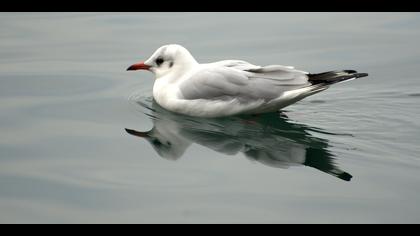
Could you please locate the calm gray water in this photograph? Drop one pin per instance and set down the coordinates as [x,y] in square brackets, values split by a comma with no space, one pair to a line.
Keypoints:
[347,155]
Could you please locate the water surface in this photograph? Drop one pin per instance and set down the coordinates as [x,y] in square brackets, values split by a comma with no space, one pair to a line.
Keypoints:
[83,141]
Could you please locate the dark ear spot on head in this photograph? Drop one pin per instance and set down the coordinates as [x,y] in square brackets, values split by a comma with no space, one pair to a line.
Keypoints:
[171,64]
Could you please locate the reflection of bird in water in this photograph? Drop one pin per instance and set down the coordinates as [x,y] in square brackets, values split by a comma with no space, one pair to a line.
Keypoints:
[270,138]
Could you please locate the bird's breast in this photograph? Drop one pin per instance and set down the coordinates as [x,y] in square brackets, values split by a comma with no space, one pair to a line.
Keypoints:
[165,94]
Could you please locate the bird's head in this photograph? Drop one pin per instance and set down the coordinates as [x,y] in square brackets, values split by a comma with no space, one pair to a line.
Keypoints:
[167,59]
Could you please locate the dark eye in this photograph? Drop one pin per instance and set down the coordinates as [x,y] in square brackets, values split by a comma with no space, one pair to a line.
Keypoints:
[159,61]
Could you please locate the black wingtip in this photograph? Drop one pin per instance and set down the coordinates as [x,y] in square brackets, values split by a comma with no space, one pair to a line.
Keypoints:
[350,71]
[356,74]
[359,75]
[332,77]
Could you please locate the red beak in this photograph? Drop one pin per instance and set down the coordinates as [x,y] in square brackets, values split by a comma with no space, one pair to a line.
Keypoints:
[139,66]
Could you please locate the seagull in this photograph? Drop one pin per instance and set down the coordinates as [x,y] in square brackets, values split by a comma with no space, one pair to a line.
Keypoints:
[230,87]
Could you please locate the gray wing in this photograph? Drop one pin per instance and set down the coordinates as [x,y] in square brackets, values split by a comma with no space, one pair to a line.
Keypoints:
[286,74]
[230,79]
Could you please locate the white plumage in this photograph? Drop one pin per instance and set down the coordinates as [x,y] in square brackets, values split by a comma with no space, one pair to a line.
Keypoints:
[227,87]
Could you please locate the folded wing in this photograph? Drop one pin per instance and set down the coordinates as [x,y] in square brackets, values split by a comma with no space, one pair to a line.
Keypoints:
[230,79]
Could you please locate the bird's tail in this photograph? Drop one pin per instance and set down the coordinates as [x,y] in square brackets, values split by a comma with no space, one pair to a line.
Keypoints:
[332,77]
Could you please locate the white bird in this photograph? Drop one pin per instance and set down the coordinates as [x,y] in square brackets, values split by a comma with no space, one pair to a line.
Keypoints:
[229,87]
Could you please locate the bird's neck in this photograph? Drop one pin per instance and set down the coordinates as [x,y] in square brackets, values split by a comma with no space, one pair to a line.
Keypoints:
[186,62]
